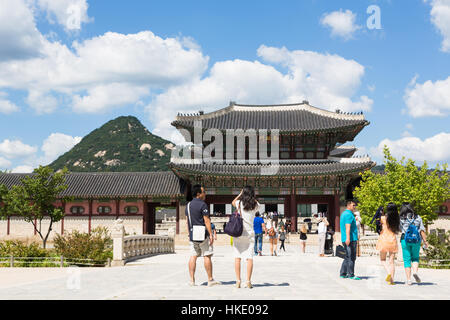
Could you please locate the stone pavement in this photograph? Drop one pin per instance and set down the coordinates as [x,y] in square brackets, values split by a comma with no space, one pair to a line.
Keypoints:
[289,275]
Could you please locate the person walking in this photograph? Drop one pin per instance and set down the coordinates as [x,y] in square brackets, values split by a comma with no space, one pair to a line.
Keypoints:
[282,238]
[197,213]
[303,237]
[322,233]
[349,236]
[243,246]
[272,232]
[413,232]
[258,227]
[387,241]
[214,231]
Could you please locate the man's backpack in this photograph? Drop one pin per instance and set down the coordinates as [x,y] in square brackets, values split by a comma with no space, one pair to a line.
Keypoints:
[412,234]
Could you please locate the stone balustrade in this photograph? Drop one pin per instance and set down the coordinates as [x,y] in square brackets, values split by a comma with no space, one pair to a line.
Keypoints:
[126,248]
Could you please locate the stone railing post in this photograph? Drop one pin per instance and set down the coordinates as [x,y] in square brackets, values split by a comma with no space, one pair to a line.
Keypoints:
[118,234]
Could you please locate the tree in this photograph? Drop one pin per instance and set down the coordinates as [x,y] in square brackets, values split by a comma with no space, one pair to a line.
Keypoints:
[35,198]
[403,182]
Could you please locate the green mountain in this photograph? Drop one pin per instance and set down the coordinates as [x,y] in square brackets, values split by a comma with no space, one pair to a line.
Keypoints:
[122,144]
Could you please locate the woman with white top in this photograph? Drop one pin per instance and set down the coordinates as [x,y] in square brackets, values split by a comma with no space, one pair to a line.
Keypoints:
[322,231]
[243,246]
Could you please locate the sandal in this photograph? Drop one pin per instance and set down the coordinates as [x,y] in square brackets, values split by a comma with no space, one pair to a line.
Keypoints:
[238,283]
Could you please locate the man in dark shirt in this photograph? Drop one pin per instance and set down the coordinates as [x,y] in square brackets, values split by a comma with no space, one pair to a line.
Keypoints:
[199,216]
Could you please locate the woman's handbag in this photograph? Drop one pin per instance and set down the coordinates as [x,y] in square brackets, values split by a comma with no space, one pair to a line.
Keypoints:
[234,226]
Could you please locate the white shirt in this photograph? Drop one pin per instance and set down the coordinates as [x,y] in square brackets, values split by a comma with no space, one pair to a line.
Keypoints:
[321,228]
[247,218]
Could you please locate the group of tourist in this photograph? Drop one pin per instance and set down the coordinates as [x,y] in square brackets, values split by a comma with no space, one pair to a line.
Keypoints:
[254,227]
[407,222]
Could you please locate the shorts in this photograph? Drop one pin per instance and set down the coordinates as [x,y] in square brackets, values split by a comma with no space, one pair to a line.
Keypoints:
[201,249]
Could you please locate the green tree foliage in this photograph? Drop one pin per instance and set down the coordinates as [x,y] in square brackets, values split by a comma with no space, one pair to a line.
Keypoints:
[34,200]
[403,181]
[96,245]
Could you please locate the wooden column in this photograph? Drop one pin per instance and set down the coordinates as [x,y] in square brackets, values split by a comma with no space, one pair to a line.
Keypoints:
[90,215]
[145,218]
[117,208]
[337,214]
[7,228]
[62,220]
[178,217]
[293,212]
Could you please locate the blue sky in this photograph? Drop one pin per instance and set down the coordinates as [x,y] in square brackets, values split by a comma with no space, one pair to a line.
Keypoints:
[76,64]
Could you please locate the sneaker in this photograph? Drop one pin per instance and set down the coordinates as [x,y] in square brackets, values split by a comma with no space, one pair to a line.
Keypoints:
[355,278]
[344,277]
[260,254]
[213,283]
[192,283]
[408,282]
[416,277]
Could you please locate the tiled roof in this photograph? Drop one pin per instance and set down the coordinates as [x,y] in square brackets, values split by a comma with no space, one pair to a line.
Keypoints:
[287,118]
[113,184]
[300,168]
[342,151]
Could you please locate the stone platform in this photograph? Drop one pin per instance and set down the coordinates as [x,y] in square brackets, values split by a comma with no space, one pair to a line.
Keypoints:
[290,275]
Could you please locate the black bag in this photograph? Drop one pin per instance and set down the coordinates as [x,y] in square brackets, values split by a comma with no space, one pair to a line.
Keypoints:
[235,225]
[341,252]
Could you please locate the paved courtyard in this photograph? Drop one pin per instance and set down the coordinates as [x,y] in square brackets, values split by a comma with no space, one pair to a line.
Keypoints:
[290,275]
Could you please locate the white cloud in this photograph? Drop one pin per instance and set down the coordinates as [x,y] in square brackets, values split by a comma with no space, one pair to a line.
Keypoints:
[326,81]
[15,149]
[104,97]
[42,102]
[7,106]
[22,169]
[428,99]
[97,65]
[19,37]
[4,163]
[342,23]
[56,145]
[68,13]
[440,17]
[434,149]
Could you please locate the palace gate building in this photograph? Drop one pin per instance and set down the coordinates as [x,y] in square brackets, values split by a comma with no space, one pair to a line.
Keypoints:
[315,172]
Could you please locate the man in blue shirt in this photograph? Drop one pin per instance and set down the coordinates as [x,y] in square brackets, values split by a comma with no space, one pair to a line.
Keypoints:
[349,237]
[258,226]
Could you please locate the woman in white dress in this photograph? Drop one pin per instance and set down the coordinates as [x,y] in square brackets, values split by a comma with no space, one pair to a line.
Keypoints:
[243,246]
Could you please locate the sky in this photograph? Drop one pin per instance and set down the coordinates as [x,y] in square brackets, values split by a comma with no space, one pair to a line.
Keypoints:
[69,66]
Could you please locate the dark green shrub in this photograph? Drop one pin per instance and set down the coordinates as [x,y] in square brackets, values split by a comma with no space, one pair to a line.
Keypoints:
[438,251]
[25,254]
[76,245]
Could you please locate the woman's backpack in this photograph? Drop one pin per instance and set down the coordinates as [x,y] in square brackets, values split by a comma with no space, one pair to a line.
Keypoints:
[235,225]
[412,234]
[271,232]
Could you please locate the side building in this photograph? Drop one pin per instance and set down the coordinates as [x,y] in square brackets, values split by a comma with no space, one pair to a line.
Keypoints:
[100,198]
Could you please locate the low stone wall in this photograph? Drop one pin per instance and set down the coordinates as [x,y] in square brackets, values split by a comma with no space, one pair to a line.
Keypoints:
[126,248]
[22,230]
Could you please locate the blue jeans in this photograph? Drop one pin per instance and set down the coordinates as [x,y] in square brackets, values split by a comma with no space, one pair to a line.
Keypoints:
[348,265]
[258,242]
